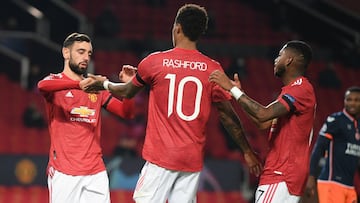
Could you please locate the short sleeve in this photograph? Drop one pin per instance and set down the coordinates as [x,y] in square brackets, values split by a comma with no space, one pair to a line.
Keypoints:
[219,94]
[296,98]
[330,126]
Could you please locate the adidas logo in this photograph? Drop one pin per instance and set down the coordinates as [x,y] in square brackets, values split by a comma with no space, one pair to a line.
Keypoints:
[69,94]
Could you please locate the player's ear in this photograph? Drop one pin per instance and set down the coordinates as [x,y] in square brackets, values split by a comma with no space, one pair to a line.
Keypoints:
[177,28]
[66,53]
[289,60]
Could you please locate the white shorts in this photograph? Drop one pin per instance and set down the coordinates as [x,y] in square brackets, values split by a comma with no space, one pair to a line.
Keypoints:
[79,189]
[157,184]
[275,193]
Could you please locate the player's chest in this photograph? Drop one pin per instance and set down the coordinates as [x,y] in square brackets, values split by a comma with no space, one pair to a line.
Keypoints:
[69,99]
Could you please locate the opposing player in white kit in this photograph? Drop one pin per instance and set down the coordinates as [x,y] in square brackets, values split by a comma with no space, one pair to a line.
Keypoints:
[76,171]
[179,106]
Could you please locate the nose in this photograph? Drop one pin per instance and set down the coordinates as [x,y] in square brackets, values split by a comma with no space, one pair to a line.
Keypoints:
[87,57]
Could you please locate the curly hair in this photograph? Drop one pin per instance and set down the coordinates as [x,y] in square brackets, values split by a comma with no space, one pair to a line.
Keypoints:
[193,20]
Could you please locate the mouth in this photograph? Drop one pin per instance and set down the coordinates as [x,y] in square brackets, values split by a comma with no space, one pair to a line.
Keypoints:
[83,65]
[351,110]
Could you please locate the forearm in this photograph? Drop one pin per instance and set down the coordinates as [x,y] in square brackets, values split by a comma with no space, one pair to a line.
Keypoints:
[317,154]
[256,111]
[124,108]
[233,126]
[120,89]
[260,125]
[57,85]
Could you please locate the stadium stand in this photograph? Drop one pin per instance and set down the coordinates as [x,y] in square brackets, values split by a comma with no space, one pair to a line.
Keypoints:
[235,22]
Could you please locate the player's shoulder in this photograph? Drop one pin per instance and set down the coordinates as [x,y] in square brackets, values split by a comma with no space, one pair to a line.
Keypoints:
[209,59]
[301,82]
[54,76]
[156,53]
[302,85]
[335,117]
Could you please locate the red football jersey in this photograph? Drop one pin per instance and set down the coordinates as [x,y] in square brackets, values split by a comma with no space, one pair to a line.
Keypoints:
[291,138]
[74,126]
[179,106]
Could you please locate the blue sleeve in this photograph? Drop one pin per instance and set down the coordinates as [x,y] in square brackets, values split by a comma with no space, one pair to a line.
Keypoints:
[321,145]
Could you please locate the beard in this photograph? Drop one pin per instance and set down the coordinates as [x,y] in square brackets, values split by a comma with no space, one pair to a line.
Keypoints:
[280,71]
[76,69]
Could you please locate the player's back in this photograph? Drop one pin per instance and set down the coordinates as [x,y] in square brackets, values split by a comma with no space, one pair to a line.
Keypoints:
[179,106]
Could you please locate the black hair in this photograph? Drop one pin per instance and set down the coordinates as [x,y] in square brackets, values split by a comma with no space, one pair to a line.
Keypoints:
[352,89]
[75,37]
[193,20]
[303,49]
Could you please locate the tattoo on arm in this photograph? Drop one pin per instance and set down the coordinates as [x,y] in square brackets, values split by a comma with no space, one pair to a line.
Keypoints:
[233,126]
[260,112]
[250,106]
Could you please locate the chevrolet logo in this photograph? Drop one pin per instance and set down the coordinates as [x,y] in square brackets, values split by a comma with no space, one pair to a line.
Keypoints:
[83,111]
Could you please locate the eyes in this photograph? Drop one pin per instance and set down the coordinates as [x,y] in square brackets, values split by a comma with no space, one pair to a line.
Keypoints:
[83,51]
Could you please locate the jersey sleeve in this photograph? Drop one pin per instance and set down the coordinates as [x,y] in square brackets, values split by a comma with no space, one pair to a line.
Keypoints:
[219,94]
[144,72]
[125,108]
[55,82]
[295,98]
[330,127]
[318,152]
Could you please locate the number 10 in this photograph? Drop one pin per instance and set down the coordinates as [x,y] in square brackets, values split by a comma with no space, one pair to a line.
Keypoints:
[180,93]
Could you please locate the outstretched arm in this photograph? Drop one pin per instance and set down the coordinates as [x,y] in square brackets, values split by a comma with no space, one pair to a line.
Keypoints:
[232,124]
[125,90]
[258,112]
[52,83]
[97,83]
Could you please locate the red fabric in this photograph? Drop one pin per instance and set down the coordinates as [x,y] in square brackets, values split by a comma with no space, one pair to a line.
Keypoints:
[179,106]
[290,138]
[74,125]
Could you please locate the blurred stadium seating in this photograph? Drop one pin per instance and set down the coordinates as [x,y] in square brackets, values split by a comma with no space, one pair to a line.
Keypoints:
[235,22]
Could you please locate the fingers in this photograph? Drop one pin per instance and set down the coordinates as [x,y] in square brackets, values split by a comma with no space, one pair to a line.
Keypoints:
[90,75]
[129,67]
[236,77]
[215,76]
[256,170]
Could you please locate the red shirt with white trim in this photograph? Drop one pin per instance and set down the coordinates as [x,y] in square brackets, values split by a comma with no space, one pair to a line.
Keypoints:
[179,106]
[75,123]
[291,138]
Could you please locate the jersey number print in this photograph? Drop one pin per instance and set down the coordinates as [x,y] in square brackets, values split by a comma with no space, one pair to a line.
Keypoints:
[180,93]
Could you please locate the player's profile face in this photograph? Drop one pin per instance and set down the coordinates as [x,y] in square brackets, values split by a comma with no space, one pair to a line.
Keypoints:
[279,65]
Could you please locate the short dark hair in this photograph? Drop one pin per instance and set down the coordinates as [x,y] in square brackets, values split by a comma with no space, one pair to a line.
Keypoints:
[193,20]
[352,89]
[303,49]
[75,37]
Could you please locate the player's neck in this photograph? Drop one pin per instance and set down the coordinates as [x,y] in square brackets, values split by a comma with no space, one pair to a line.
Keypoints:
[186,44]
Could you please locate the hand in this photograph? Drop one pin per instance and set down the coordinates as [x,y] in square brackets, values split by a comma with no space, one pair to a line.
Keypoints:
[223,81]
[236,81]
[253,162]
[127,73]
[310,186]
[93,83]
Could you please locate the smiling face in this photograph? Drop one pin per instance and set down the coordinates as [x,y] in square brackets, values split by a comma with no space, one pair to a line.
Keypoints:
[352,103]
[78,56]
